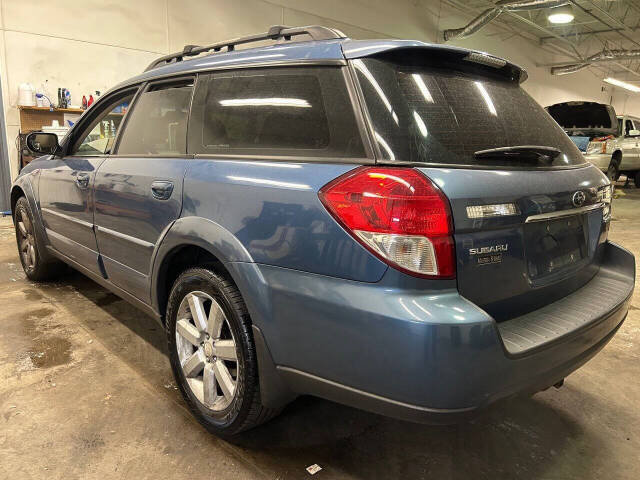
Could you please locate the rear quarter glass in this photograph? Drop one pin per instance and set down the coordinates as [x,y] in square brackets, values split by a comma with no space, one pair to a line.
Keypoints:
[298,111]
[429,114]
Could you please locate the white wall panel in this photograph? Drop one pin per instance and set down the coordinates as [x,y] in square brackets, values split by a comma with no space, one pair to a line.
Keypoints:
[296,17]
[202,22]
[139,24]
[86,66]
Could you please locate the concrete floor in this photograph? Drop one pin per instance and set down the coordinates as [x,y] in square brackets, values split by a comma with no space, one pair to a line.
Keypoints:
[86,391]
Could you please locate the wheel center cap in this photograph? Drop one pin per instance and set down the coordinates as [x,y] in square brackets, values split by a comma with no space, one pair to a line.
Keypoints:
[208,349]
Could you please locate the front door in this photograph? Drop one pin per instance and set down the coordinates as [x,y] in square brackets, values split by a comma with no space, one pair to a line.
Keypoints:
[66,189]
[138,190]
[630,147]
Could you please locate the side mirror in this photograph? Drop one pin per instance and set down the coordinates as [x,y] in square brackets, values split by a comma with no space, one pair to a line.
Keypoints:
[634,133]
[43,143]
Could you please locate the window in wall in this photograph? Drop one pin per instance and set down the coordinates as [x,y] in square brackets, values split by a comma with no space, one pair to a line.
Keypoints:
[304,111]
[102,132]
[157,125]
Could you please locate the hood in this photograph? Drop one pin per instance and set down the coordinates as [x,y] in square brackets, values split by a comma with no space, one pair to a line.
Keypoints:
[585,118]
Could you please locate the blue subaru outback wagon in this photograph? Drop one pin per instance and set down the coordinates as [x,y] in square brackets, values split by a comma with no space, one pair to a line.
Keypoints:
[392,225]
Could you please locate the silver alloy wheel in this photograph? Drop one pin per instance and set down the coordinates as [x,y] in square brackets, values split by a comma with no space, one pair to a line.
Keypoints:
[207,350]
[26,240]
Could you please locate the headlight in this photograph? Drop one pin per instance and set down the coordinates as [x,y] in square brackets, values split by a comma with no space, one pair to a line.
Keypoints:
[596,147]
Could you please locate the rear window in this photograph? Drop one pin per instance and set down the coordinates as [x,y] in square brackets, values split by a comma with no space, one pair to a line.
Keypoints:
[442,116]
[292,111]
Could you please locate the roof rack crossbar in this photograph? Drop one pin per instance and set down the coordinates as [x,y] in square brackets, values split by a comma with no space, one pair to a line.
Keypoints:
[275,32]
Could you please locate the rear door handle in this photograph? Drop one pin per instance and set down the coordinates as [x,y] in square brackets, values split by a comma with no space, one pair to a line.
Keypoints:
[82,180]
[161,189]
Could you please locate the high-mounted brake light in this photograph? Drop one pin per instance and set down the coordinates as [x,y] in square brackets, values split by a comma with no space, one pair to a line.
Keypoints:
[398,214]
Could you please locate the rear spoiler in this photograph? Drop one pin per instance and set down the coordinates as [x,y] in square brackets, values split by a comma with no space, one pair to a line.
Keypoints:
[368,48]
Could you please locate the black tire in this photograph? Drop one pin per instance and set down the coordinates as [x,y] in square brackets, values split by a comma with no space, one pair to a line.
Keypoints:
[636,179]
[613,171]
[37,265]
[245,410]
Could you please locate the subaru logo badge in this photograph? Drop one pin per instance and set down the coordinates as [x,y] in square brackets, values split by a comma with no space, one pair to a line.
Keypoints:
[578,198]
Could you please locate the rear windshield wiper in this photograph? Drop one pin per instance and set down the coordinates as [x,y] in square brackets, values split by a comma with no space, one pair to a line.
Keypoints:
[527,153]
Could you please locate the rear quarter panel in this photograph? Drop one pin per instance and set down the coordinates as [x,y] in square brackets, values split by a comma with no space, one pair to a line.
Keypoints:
[273,209]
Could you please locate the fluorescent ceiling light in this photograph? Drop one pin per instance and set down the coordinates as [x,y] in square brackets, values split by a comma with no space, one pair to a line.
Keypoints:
[271,102]
[561,15]
[621,84]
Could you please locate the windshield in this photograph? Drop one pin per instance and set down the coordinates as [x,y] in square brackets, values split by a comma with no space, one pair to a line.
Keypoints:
[442,116]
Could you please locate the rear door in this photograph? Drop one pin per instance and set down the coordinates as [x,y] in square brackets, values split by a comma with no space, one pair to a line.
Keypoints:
[138,190]
[66,190]
[528,221]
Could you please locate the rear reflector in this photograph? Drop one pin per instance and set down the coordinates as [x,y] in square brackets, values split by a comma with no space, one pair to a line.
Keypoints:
[398,214]
[487,211]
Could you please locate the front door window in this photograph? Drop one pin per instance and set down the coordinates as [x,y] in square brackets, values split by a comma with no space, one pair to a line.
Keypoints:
[99,136]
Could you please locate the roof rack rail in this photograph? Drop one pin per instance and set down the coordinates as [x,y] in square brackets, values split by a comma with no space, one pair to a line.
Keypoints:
[276,32]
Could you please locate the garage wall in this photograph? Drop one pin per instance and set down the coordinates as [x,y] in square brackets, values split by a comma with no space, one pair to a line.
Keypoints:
[87,45]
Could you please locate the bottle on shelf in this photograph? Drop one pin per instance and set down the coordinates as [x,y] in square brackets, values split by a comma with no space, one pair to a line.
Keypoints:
[84,102]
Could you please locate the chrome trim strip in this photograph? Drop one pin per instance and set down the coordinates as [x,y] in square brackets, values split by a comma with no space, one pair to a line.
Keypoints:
[122,236]
[69,218]
[563,213]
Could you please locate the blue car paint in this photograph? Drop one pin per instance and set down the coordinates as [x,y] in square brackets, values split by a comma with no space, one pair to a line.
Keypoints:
[130,222]
[273,209]
[335,320]
[552,193]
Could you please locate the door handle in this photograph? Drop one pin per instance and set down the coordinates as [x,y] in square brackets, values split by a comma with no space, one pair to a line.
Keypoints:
[162,190]
[82,180]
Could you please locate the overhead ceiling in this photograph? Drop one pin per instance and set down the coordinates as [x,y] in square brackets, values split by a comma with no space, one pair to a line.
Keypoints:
[599,25]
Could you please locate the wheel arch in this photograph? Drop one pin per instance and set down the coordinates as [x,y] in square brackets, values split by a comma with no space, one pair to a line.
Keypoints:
[617,155]
[192,241]
[16,193]
[23,187]
[195,241]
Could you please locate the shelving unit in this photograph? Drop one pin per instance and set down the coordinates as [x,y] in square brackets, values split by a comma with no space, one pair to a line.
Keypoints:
[33,118]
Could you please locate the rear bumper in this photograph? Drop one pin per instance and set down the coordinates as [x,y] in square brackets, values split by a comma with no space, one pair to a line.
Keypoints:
[426,357]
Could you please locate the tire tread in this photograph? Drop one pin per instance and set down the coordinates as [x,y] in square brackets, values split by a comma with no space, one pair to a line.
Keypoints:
[256,413]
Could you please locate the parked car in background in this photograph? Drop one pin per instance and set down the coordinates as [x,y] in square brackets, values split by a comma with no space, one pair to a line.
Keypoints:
[372,222]
[610,142]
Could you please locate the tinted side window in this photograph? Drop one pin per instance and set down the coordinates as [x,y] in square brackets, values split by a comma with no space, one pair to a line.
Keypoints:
[289,111]
[157,124]
[98,137]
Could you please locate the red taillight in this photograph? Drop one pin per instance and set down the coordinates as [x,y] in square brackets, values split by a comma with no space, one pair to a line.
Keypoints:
[398,214]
